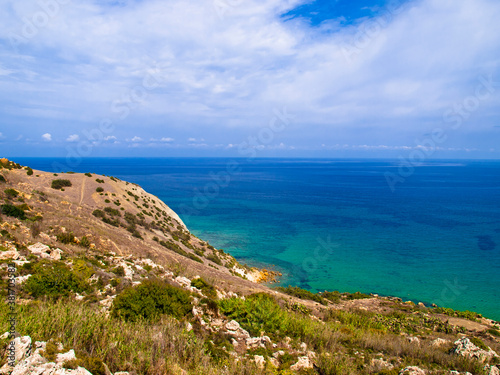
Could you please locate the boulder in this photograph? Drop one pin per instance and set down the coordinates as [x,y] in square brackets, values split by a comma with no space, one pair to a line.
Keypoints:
[40,250]
[56,254]
[233,328]
[302,363]
[381,364]
[183,281]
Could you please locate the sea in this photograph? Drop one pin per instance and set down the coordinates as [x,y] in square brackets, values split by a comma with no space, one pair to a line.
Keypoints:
[427,233]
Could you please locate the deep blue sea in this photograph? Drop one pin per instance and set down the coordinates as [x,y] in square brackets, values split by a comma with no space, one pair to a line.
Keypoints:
[336,224]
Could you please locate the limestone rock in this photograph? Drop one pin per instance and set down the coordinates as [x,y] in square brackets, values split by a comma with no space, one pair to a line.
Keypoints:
[184,281]
[9,254]
[439,342]
[260,361]
[234,329]
[278,354]
[464,347]
[302,363]
[492,370]
[381,364]
[56,254]
[255,342]
[274,362]
[40,250]
[61,358]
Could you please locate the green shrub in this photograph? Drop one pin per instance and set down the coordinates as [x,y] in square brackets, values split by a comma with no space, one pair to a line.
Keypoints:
[118,271]
[112,211]
[150,300]
[54,280]
[88,174]
[99,181]
[66,238]
[214,258]
[494,332]
[29,172]
[99,213]
[11,193]
[99,189]
[2,178]
[13,211]
[73,364]
[107,201]
[59,184]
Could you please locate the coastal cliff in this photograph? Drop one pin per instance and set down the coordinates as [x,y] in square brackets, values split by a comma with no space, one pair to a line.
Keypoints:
[104,278]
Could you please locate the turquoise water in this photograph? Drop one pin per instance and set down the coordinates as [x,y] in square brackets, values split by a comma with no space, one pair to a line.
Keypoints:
[336,224]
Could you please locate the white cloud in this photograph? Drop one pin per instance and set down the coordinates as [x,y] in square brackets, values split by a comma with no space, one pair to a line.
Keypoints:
[228,74]
[164,139]
[136,139]
[47,137]
[73,138]
[110,138]
[1,135]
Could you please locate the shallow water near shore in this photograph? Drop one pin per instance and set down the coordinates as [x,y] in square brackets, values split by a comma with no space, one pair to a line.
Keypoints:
[336,224]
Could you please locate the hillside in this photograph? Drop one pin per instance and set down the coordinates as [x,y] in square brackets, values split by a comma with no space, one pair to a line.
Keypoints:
[108,279]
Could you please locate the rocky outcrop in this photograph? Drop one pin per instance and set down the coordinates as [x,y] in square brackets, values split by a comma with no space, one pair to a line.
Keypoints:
[464,347]
[44,251]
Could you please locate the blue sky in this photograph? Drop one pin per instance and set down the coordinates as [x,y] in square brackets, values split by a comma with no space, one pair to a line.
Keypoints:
[367,78]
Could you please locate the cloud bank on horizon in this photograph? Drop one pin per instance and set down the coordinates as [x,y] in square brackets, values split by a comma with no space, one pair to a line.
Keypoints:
[176,78]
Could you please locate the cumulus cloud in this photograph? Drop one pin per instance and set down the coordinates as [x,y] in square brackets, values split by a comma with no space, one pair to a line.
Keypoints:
[166,139]
[73,138]
[47,137]
[136,139]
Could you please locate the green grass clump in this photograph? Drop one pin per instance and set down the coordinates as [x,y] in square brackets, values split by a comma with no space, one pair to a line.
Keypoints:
[60,184]
[150,300]
[470,315]
[479,343]
[13,211]
[54,280]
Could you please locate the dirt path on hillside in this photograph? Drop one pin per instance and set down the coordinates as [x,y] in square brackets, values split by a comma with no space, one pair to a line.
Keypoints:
[82,191]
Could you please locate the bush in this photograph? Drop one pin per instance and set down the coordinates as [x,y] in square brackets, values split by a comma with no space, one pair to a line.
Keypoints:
[99,189]
[88,174]
[66,238]
[99,213]
[59,184]
[150,300]
[99,181]
[13,211]
[54,280]
[112,211]
[118,271]
[11,193]
[2,178]
[29,172]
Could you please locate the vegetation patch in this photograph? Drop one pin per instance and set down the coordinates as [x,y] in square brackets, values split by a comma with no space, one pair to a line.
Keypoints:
[59,184]
[55,280]
[13,211]
[150,300]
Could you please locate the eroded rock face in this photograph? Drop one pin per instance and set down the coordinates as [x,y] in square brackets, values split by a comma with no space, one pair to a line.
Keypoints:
[412,370]
[10,254]
[464,347]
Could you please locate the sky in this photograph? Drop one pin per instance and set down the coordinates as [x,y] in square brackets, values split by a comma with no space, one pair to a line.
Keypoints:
[407,79]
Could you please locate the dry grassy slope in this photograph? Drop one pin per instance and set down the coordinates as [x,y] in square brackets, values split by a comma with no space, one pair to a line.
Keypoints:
[72,209]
